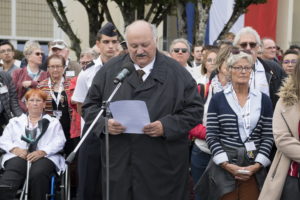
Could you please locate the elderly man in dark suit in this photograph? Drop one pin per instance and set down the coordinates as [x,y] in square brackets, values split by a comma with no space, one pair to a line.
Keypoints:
[152,165]
[9,106]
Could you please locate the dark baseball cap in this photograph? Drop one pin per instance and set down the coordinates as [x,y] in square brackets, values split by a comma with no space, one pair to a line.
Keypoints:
[109,30]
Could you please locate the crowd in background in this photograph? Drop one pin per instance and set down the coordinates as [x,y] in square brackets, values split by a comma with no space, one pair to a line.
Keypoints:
[238,79]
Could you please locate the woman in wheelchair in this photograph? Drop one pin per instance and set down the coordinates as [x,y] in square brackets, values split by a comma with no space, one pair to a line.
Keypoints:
[36,138]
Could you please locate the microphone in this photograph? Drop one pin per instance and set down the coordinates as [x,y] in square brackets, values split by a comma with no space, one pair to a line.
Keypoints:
[126,71]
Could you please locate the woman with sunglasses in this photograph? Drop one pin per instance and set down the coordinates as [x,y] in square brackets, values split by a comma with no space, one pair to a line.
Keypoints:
[282,181]
[58,102]
[239,135]
[29,76]
[36,138]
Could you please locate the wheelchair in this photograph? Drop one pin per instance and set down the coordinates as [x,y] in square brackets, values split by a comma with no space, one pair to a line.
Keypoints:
[59,187]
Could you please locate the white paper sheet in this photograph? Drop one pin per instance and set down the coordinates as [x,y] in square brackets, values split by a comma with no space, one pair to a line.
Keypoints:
[133,114]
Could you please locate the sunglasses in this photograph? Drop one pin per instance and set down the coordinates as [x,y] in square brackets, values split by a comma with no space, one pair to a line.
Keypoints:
[293,61]
[183,50]
[38,54]
[236,51]
[84,63]
[245,44]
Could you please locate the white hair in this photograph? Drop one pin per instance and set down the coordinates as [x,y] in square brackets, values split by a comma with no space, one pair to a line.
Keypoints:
[234,58]
[244,31]
[30,46]
[180,40]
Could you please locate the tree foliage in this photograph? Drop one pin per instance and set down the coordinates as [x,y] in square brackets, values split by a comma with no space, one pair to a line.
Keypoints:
[239,8]
[153,11]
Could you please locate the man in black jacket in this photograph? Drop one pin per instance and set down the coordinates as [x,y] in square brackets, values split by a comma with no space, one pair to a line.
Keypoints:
[9,106]
[267,75]
[154,164]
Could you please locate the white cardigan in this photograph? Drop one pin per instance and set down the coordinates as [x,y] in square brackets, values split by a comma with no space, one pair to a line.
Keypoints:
[51,142]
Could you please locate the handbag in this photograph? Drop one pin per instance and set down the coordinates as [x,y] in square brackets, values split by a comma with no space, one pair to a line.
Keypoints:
[291,188]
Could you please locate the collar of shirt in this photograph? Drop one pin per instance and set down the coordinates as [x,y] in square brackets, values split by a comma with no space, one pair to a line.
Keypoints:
[67,63]
[252,91]
[147,69]
[258,66]
[98,61]
[254,111]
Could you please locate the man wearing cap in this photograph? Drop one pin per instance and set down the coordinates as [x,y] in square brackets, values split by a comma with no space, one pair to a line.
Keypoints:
[59,47]
[89,161]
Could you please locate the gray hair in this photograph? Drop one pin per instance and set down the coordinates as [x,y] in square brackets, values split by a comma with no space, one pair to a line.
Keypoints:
[90,52]
[151,26]
[180,40]
[30,46]
[244,31]
[234,58]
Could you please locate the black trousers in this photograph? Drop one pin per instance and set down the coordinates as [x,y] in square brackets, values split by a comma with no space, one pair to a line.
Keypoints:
[39,177]
[89,169]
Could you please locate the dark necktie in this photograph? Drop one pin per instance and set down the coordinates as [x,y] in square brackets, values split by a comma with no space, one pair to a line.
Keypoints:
[140,74]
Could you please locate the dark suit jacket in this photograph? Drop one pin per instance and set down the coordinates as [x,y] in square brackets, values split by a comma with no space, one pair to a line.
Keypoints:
[9,99]
[149,167]
[275,75]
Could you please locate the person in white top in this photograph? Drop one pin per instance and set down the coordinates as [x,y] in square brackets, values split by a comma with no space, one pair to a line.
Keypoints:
[89,159]
[44,138]
[197,54]
[107,42]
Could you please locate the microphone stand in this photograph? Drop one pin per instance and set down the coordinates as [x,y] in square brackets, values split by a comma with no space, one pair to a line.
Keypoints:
[104,107]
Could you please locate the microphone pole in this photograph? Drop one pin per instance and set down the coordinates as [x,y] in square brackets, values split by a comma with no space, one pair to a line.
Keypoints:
[126,71]
[72,155]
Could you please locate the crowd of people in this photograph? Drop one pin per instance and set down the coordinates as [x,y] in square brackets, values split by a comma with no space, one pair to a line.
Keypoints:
[224,118]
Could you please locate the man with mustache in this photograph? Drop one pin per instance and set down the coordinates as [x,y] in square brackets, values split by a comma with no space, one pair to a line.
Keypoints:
[155,164]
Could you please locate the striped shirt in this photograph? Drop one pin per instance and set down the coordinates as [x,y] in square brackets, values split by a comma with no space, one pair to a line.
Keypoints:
[43,85]
[223,129]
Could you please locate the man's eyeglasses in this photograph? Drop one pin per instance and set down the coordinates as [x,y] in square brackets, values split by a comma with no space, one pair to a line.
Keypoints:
[293,61]
[245,44]
[269,48]
[183,50]
[38,53]
[84,63]
[6,50]
[241,68]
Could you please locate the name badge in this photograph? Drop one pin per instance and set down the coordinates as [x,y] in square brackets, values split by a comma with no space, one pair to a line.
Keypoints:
[57,114]
[3,89]
[250,146]
[70,73]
